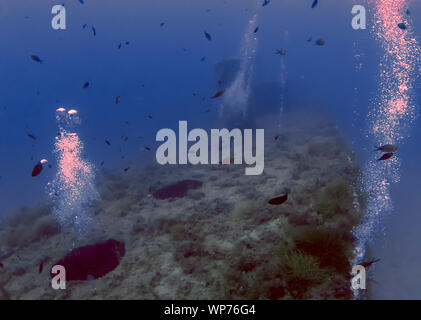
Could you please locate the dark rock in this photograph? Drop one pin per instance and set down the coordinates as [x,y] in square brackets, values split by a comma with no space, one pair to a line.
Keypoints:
[177,190]
[92,261]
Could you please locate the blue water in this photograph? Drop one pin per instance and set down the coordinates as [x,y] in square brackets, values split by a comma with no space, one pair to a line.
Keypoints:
[160,73]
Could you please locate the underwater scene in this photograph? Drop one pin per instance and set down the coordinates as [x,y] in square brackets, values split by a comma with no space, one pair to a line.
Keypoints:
[210,150]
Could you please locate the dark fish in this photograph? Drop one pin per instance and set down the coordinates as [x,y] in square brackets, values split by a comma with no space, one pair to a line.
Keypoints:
[320,42]
[367,264]
[37,169]
[276,137]
[81,1]
[149,116]
[402,26]
[408,12]
[117,100]
[102,163]
[161,24]
[279,200]
[93,30]
[108,143]
[36,58]
[315,2]
[385,156]
[127,43]
[119,46]
[281,52]
[257,29]
[86,85]
[310,39]
[387,148]
[219,82]
[203,59]
[207,110]
[84,26]
[125,139]
[41,266]
[125,169]
[218,94]
[1,265]
[208,36]
[265,3]
[31,136]
[147,148]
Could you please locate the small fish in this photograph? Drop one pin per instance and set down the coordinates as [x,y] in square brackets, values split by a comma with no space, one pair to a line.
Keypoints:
[310,39]
[93,30]
[387,148]
[85,85]
[408,12]
[162,24]
[218,94]
[117,100]
[208,36]
[315,2]
[207,110]
[41,266]
[386,156]
[37,169]
[265,3]
[276,137]
[108,143]
[402,26]
[84,26]
[81,1]
[257,29]
[119,46]
[149,116]
[320,42]
[102,163]
[279,200]
[125,169]
[367,264]
[125,139]
[127,43]
[219,82]
[281,52]
[203,59]
[1,265]
[36,58]
[147,148]
[31,136]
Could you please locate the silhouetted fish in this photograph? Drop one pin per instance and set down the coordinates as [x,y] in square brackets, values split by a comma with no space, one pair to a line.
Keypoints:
[41,267]
[147,148]
[36,58]
[85,85]
[208,36]
[93,30]
[315,2]
[203,59]
[279,200]
[385,156]
[320,42]
[81,1]
[149,116]
[276,137]
[125,169]
[367,264]
[387,148]
[31,136]
[281,52]
[402,26]
[84,26]
[108,143]
[265,3]
[162,24]
[257,29]
[117,100]
[218,94]
[37,169]
[119,46]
